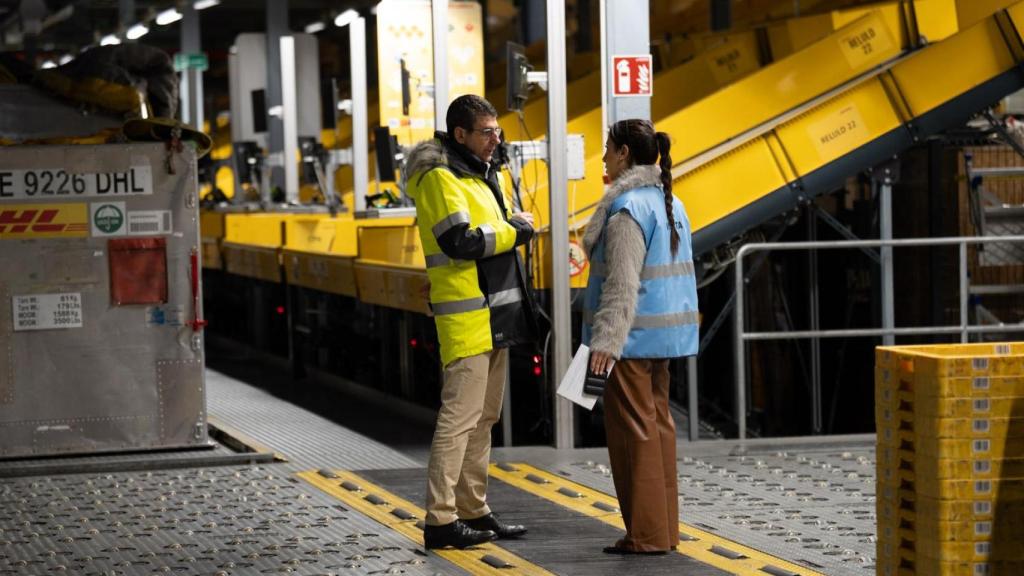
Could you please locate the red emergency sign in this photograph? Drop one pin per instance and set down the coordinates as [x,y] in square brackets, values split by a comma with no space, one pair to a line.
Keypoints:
[632,76]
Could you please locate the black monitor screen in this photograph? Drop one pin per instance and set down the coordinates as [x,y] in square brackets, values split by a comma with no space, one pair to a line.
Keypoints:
[516,86]
[384,146]
[259,111]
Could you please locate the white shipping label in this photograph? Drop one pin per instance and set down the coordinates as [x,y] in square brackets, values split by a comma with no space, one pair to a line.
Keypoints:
[47,311]
[142,222]
[55,183]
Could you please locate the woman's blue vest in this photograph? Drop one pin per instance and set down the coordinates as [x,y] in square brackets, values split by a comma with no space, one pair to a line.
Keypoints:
[666,322]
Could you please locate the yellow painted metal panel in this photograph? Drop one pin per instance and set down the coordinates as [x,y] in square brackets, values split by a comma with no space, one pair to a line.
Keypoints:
[332,274]
[371,282]
[936,19]
[766,94]
[976,55]
[839,126]
[252,261]
[970,12]
[258,229]
[731,181]
[408,290]
[212,259]
[211,224]
[397,246]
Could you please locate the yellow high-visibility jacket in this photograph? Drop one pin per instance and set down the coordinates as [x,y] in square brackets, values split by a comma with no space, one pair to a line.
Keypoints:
[477,288]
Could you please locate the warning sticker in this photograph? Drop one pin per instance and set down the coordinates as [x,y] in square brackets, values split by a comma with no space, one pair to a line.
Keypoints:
[47,311]
[577,259]
[107,218]
[20,221]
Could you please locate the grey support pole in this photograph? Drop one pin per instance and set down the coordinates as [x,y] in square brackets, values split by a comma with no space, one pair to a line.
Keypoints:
[439,11]
[885,233]
[627,31]
[691,398]
[277,26]
[558,185]
[191,78]
[360,114]
[126,14]
[289,118]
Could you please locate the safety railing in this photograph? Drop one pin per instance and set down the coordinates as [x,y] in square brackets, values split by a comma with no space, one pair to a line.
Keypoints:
[888,330]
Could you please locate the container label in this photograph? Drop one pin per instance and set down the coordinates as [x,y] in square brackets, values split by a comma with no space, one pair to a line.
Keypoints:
[980,383]
[981,405]
[143,222]
[47,311]
[55,183]
[982,508]
[865,43]
[838,132]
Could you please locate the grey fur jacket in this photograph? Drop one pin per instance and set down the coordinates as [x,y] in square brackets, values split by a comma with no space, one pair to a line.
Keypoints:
[625,251]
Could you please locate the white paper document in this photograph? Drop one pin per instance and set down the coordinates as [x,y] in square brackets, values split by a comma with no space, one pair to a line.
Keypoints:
[571,387]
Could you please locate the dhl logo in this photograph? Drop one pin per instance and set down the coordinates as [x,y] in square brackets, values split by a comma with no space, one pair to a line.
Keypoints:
[43,221]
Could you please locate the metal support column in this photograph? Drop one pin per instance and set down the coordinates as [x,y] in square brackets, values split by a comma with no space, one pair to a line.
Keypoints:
[964,293]
[126,14]
[506,407]
[360,113]
[191,90]
[885,233]
[558,175]
[277,26]
[740,351]
[290,119]
[625,31]
[439,13]
[812,266]
[691,397]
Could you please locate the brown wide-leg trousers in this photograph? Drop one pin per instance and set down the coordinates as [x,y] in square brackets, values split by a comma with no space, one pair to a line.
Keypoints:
[642,447]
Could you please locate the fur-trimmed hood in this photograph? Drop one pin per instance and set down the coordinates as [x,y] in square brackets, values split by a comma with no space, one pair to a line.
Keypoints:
[424,157]
[636,177]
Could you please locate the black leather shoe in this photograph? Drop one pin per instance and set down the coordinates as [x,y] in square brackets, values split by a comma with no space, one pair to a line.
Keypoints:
[457,535]
[489,522]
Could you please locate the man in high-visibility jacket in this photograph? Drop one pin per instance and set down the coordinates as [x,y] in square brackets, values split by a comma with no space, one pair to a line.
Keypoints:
[481,307]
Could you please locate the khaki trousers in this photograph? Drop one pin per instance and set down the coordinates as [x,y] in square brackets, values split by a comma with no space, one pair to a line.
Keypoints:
[460,453]
[642,448]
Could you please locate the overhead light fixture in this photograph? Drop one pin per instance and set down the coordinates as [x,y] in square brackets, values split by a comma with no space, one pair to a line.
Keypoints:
[137,31]
[65,59]
[204,4]
[110,40]
[314,27]
[169,16]
[345,18]
[48,64]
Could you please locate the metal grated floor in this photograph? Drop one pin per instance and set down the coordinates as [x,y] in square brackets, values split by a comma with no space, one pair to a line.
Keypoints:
[307,440]
[223,521]
[809,501]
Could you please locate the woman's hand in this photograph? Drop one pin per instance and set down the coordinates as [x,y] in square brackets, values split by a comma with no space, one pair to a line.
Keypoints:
[601,362]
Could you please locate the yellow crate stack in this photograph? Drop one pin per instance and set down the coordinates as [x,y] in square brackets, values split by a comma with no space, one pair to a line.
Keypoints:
[950,459]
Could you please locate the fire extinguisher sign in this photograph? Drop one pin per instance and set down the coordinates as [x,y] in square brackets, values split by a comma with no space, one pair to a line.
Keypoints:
[632,76]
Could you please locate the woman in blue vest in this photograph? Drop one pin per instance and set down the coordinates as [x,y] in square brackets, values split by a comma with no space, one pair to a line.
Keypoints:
[640,310]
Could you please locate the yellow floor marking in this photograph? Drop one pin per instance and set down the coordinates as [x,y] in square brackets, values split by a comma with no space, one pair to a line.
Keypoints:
[586,500]
[363,498]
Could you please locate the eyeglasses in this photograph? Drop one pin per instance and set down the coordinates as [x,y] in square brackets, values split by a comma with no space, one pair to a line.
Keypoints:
[487,132]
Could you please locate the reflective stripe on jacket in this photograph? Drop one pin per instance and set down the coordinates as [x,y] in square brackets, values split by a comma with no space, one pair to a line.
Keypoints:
[666,322]
[477,292]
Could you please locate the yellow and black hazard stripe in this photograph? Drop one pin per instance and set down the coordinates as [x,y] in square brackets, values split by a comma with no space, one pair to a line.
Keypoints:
[695,543]
[406,518]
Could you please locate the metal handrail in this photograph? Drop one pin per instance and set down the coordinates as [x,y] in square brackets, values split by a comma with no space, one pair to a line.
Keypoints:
[964,328]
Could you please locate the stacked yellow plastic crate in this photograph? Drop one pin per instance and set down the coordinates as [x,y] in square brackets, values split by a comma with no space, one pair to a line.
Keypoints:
[950,423]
